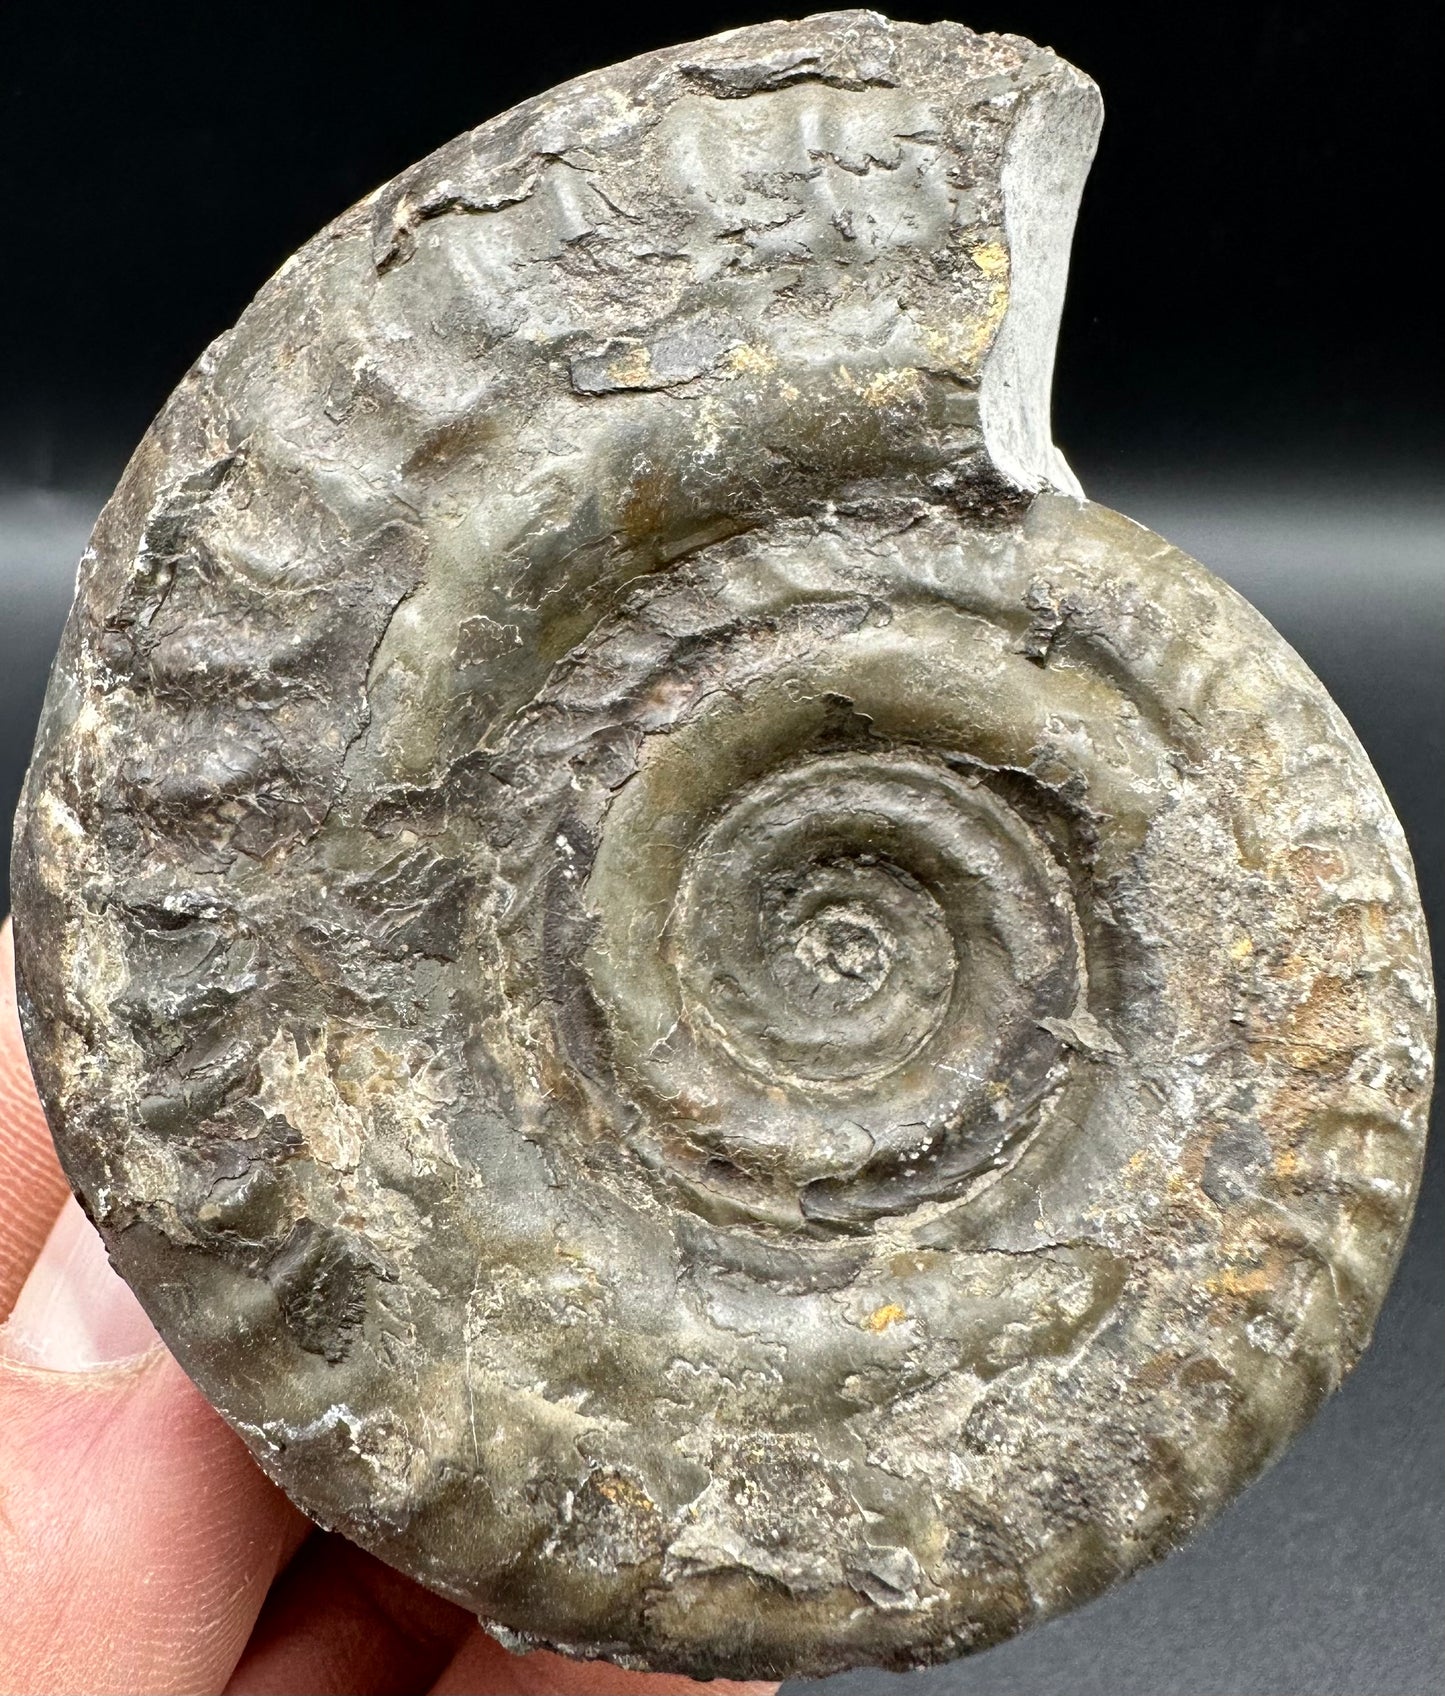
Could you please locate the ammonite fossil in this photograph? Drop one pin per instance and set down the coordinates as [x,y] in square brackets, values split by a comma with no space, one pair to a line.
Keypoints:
[719,1017]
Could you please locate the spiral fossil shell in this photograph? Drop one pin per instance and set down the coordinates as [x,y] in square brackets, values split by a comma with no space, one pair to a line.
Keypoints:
[719,1017]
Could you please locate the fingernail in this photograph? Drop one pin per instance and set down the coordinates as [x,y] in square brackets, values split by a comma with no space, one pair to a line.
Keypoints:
[74,1314]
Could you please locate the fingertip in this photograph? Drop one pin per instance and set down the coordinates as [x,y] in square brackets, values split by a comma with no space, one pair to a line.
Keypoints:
[32,1185]
[74,1314]
[138,1536]
[342,1621]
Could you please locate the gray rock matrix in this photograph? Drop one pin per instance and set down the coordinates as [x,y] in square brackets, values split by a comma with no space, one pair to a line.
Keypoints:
[718,1017]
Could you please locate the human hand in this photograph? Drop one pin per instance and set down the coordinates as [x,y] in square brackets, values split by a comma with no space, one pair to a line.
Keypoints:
[141,1548]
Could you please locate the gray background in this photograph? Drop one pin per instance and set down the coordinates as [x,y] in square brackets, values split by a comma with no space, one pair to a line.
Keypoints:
[1245,369]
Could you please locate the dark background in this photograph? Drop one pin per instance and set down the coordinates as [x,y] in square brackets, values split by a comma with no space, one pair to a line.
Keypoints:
[1249,364]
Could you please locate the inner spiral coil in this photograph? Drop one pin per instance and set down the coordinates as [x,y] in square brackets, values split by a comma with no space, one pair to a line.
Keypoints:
[815,943]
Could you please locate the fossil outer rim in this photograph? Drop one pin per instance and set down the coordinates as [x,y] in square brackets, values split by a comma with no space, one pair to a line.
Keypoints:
[586,1164]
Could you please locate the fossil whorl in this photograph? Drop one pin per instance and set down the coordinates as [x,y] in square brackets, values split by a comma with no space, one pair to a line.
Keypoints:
[719,1018]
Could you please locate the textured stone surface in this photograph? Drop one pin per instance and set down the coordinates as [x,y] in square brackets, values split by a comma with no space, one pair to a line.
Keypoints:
[718,1017]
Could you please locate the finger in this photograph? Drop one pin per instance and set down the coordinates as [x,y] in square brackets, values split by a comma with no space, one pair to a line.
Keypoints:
[482,1667]
[32,1186]
[342,1622]
[137,1536]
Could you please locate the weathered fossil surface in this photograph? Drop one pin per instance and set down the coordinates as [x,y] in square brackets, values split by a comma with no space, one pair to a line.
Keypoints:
[719,1018]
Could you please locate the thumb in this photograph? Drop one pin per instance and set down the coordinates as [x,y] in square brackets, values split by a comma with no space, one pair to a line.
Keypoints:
[137,1536]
